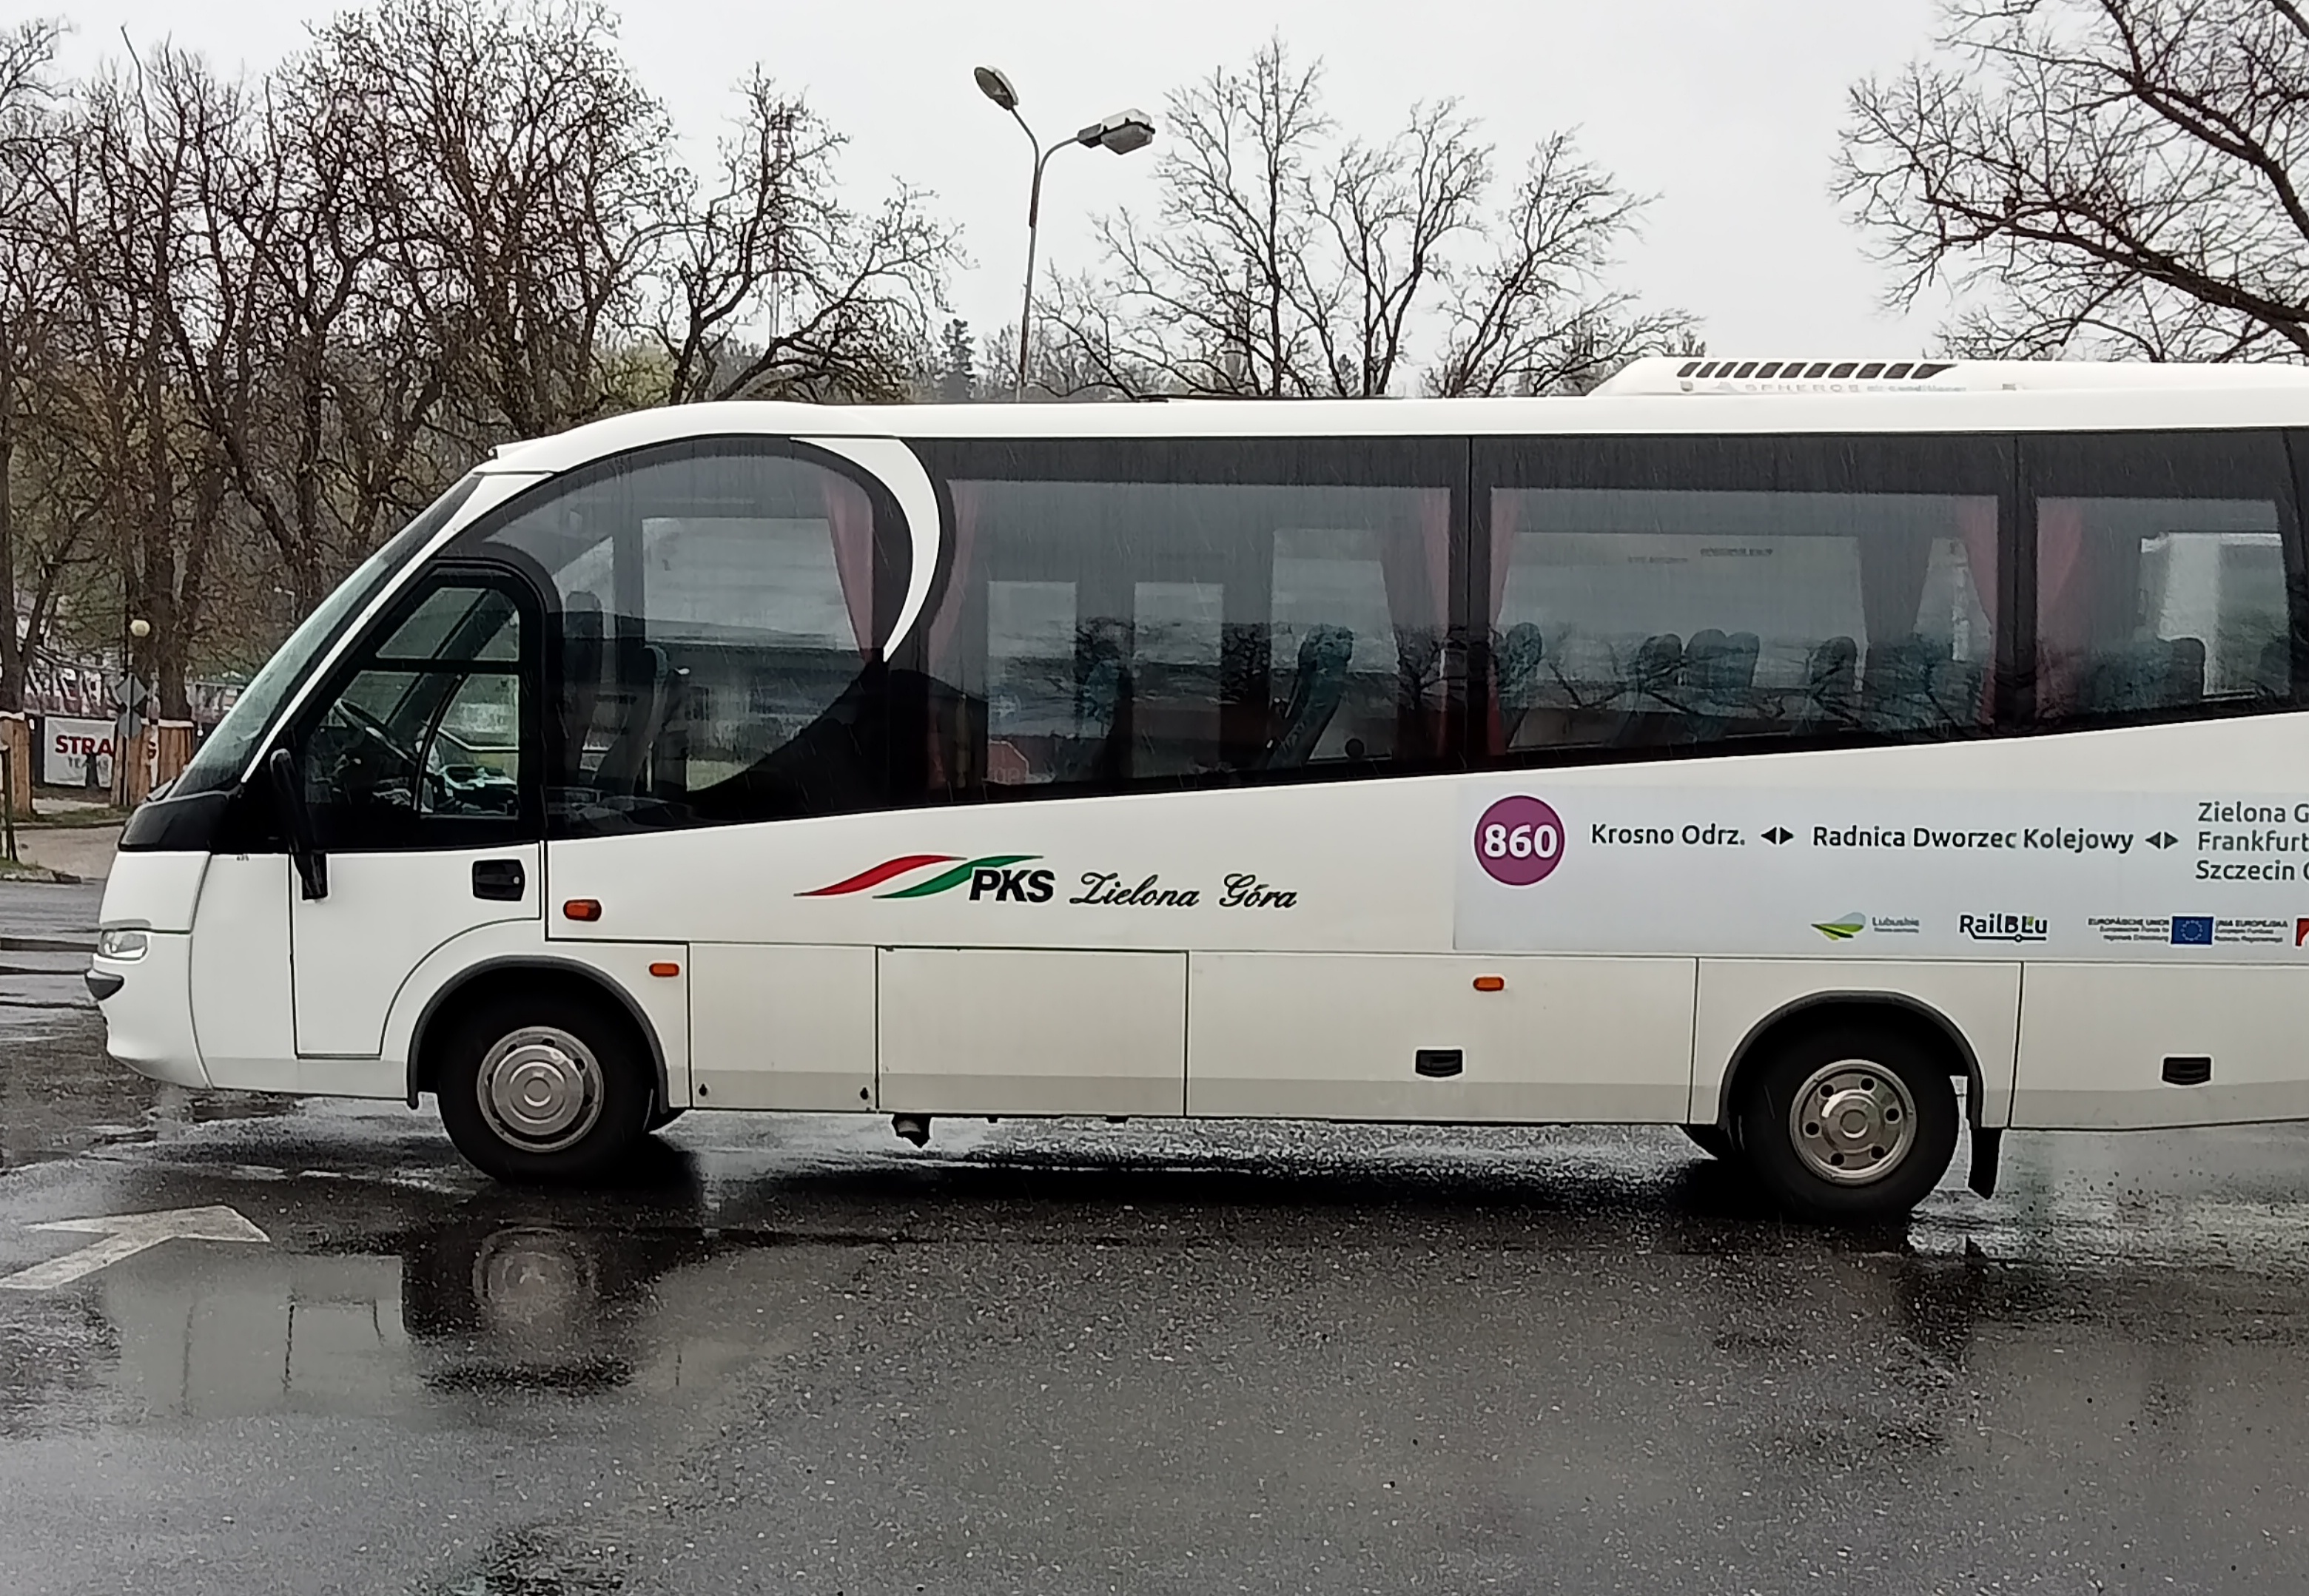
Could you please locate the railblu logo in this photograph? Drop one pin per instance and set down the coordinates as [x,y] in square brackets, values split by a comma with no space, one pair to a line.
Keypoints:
[2004,927]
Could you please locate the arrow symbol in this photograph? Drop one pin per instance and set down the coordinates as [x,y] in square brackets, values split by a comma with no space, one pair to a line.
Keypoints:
[1778,835]
[2163,840]
[125,1236]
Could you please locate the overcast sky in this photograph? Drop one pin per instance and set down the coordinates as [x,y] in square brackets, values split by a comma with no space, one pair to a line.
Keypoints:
[1727,110]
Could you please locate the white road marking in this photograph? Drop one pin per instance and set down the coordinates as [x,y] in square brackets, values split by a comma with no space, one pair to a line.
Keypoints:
[125,1236]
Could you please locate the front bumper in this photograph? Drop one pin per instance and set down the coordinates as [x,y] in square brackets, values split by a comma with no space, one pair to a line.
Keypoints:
[148,1013]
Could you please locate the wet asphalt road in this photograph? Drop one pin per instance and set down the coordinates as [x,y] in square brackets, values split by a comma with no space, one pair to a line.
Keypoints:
[795,1355]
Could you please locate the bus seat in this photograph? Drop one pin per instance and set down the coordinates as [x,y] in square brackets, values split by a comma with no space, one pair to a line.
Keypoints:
[1960,691]
[1897,685]
[1648,692]
[1098,694]
[2272,674]
[1652,679]
[1101,690]
[1831,674]
[1719,673]
[580,676]
[2184,676]
[621,767]
[1518,653]
[1316,693]
[2144,674]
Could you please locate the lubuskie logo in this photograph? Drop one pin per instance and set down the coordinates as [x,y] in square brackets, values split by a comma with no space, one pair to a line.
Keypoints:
[995,876]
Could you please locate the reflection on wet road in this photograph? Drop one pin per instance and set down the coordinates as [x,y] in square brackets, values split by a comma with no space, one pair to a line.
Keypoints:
[794,1354]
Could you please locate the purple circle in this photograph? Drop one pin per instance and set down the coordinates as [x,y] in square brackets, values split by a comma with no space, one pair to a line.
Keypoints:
[1519,841]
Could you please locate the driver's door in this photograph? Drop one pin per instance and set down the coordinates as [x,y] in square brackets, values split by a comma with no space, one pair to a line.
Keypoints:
[419,771]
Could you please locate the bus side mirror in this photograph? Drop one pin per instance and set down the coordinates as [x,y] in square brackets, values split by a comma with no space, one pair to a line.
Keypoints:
[304,852]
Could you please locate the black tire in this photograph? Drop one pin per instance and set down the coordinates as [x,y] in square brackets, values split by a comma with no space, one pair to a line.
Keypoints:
[1714,1141]
[548,1051]
[1887,1075]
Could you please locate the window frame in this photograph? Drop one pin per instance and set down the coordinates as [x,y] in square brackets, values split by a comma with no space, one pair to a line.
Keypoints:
[1860,462]
[2035,479]
[432,832]
[2004,465]
[892,551]
[1430,461]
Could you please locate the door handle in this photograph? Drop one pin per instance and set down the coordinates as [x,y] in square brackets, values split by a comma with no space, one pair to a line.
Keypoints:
[502,880]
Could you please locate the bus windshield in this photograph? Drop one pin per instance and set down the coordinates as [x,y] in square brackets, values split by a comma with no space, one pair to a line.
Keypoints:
[226,752]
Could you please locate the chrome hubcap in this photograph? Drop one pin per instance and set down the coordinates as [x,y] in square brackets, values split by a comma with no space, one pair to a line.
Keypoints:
[1852,1122]
[540,1089]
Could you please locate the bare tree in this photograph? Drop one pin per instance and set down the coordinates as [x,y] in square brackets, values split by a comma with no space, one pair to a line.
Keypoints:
[1288,261]
[315,374]
[247,323]
[2105,176]
[771,286]
[529,175]
[1209,297]
[119,199]
[43,528]
[1536,317]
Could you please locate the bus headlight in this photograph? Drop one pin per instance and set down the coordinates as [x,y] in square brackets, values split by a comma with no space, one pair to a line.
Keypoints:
[121,942]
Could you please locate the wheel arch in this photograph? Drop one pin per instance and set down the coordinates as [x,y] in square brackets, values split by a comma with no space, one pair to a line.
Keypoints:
[1826,1008]
[518,968]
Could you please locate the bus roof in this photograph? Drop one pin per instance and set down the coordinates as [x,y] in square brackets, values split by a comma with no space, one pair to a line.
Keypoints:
[1649,397]
[1708,376]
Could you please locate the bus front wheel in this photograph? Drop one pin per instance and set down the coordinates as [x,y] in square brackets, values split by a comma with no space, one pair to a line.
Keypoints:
[543,1087]
[1849,1122]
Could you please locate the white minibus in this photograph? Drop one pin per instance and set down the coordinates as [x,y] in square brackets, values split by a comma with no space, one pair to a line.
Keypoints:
[1807,754]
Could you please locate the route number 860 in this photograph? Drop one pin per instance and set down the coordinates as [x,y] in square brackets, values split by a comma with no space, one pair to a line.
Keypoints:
[1530,841]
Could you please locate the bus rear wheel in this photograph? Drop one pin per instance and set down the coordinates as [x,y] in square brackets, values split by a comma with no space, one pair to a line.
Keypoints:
[544,1087]
[1849,1122]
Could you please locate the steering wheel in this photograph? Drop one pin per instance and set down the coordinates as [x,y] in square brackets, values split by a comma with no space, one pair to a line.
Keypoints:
[378,729]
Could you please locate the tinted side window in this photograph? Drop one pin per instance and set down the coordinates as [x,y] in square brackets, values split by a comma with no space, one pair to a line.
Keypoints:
[1680,591]
[420,743]
[718,607]
[2166,573]
[1132,612]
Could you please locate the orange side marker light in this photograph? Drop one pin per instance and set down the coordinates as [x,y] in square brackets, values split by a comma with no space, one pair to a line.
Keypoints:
[1491,983]
[665,967]
[583,909]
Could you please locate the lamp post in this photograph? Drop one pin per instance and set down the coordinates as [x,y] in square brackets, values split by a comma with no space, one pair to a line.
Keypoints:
[1122,133]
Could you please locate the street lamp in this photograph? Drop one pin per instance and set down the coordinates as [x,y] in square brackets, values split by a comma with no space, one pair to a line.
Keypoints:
[1122,133]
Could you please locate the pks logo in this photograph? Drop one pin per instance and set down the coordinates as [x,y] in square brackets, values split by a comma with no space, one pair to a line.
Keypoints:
[995,876]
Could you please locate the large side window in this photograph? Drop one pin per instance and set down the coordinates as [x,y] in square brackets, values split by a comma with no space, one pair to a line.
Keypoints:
[423,742]
[1667,592]
[2166,574]
[1133,612]
[718,608]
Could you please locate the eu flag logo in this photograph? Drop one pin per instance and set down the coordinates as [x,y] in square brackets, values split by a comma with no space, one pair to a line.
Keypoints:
[2193,930]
